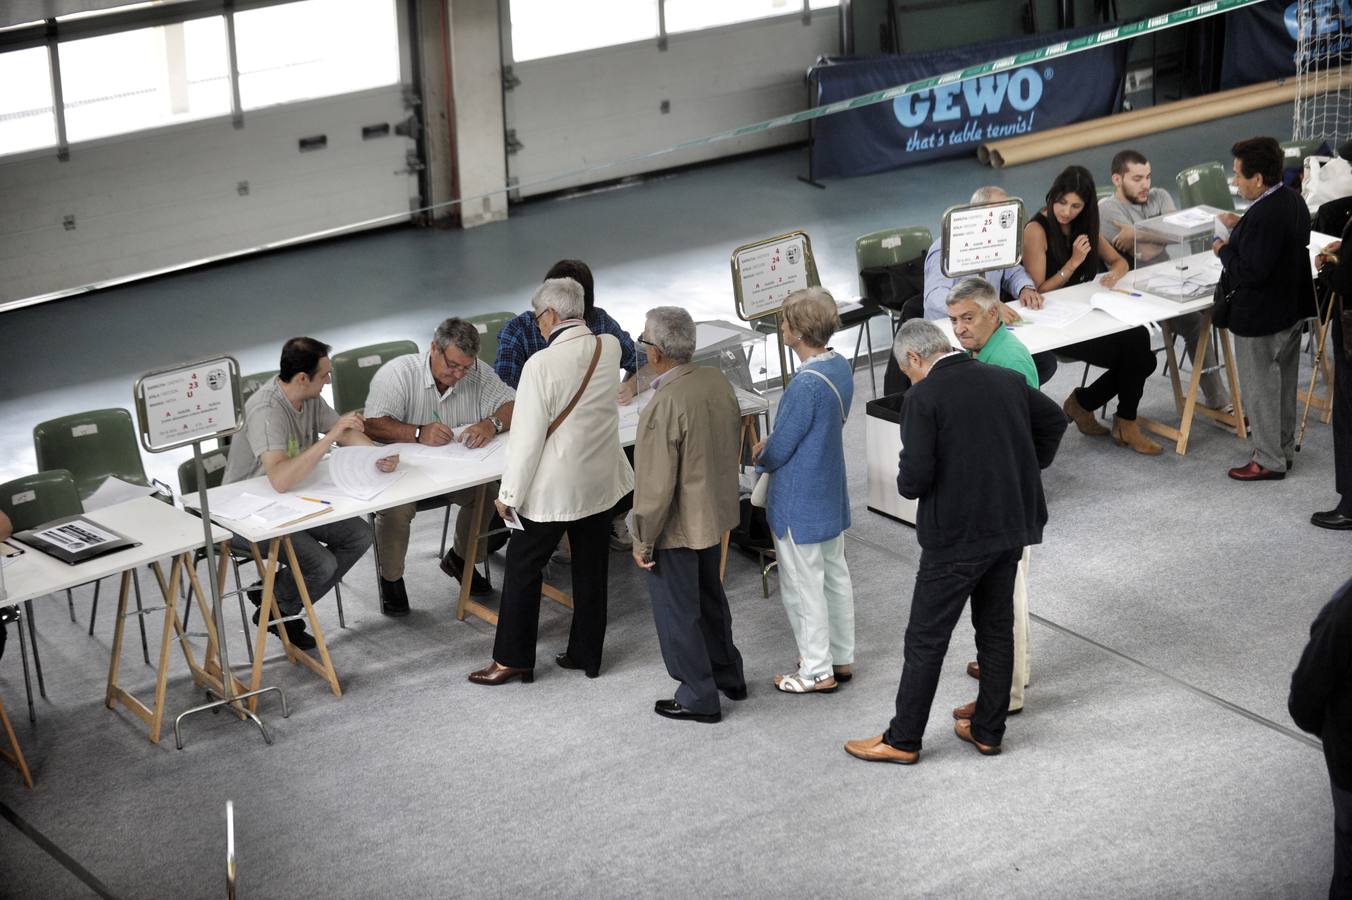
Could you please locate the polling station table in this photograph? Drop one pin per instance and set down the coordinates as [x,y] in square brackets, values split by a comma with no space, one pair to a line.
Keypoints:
[162,532]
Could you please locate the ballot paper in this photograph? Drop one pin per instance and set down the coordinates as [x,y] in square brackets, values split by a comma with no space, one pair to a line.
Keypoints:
[115,490]
[1055,315]
[287,510]
[452,451]
[1132,310]
[630,412]
[240,506]
[353,470]
[1190,218]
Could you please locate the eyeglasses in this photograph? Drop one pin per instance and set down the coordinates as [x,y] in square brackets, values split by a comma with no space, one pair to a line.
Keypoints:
[645,342]
[455,367]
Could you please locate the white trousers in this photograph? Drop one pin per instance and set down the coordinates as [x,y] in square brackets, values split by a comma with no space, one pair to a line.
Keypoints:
[1023,651]
[814,584]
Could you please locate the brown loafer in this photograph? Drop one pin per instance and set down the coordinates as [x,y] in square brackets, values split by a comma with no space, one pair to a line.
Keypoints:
[875,749]
[1254,472]
[967,710]
[974,670]
[1084,419]
[494,674]
[963,729]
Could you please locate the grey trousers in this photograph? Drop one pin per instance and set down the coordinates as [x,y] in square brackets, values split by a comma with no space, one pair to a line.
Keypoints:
[1189,327]
[325,553]
[1269,373]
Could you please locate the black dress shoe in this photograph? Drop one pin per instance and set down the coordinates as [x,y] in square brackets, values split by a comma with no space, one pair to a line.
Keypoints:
[673,710]
[295,633]
[255,594]
[566,662]
[452,564]
[1333,519]
[735,693]
[393,598]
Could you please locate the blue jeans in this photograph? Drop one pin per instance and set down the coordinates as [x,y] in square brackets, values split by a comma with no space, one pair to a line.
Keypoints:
[941,591]
[325,553]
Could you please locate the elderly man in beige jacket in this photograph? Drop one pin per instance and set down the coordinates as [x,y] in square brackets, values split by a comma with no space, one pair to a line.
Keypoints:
[685,497]
[565,471]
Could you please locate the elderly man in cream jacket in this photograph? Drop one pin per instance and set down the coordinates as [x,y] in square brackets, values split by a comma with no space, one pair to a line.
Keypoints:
[565,471]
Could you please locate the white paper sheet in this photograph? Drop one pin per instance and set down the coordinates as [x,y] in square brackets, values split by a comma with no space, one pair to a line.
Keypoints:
[629,413]
[1054,315]
[1190,218]
[353,470]
[452,451]
[286,509]
[115,490]
[240,506]
[1133,310]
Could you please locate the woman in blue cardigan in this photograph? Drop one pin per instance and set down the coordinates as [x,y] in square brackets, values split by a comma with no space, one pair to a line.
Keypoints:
[809,505]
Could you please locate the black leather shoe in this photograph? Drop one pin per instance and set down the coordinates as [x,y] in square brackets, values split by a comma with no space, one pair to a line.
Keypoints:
[673,710]
[1333,519]
[295,633]
[393,598]
[735,693]
[565,661]
[255,594]
[452,564]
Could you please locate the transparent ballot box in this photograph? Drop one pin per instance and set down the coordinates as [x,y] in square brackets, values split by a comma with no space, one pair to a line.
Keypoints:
[731,349]
[1166,253]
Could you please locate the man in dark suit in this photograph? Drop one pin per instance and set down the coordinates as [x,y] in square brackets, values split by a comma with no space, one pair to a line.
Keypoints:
[1269,293]
[974,439]
[1321,703]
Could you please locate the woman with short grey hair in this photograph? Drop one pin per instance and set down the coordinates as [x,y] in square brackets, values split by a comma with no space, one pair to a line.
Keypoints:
[809,503]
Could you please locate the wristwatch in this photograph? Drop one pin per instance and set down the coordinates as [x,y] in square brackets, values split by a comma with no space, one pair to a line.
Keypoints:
[496,423]
[417,433]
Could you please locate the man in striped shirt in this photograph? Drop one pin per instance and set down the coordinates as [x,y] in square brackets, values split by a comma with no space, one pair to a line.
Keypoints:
[434,398]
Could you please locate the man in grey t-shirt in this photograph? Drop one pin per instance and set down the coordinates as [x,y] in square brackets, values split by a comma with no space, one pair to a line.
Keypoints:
[1133,201]
[287,430]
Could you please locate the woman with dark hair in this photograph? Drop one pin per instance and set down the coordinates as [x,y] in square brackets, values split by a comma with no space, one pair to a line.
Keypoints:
[1062,246]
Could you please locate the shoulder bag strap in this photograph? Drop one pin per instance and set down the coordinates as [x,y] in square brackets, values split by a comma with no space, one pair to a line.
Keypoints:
[586,379]
[831,384]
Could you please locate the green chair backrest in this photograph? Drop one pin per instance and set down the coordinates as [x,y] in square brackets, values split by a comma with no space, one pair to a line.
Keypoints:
[213,463]
[1105,192]
[91,445]
[1294,152]
[354,369]
[34,500]
[1206,184]
[249,384]
[890,247]
[489,324]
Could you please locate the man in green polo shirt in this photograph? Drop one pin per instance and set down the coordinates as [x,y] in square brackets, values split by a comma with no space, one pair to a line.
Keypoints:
[974,310]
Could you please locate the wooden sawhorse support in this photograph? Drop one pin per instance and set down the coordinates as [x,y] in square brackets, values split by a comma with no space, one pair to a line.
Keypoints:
[1186,401]
[14,755]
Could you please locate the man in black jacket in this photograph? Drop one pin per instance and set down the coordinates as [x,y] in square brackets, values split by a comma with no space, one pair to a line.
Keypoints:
[1270,292]
[974,439]
[1321,703]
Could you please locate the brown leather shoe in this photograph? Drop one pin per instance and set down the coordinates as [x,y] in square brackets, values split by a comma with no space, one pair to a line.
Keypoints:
[1255,472]
[963,729]
[875,749]
[974,670]
[1127,433]
[967,710]
[494,674]
[1083,418]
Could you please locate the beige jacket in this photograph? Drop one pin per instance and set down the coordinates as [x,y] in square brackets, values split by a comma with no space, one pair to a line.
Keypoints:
[686,462]
[581,469]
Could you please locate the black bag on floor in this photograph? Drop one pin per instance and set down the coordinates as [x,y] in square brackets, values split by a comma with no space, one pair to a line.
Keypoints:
[753,531]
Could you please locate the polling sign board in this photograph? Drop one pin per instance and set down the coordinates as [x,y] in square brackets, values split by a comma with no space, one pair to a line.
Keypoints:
[189,403]
[767,271]
[981,237]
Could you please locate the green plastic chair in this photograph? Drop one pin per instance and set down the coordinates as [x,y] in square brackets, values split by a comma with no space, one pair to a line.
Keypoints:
[1105,192]
[489,324]
[248,386]
[1207,184]
[890,247]
[354,369]
[92,446]
[1294,152]
[29,502]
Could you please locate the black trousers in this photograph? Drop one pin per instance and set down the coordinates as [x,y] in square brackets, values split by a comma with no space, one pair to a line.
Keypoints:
[941,591]
[694,626]
[1340,888]
[1128,361]
[1342,410]
[519,613]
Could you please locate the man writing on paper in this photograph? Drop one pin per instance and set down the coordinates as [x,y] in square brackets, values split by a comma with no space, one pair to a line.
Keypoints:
[434,398]
[1012,282]
[287,430]
[1134,200]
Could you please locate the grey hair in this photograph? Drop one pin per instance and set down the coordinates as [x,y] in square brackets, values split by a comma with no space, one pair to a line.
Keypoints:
[563,295]
[465,336]
[671,330]
[973,288]
[921,337]
[989,194]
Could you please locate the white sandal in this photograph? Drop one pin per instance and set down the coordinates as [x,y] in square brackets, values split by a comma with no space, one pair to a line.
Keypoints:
[797,684]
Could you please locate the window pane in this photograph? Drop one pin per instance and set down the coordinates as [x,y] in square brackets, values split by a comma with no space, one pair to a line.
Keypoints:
[825,4]
[26,117]
[551,27]
[145,78]
[315,48]
[692,15]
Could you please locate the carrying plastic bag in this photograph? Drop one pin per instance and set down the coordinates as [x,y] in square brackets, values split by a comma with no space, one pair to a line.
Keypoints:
[1326,178]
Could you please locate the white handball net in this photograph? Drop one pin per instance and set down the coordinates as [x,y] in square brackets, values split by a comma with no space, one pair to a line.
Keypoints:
[1323,106]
